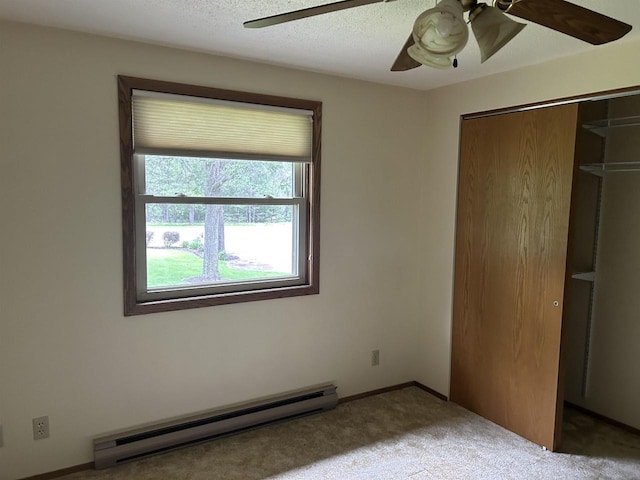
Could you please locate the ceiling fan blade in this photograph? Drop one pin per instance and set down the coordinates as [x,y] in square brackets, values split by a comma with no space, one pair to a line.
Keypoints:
[307,12]
[404,61]
[571,19]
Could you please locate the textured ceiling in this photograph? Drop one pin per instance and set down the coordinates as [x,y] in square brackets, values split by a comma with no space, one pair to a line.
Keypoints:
[360,43]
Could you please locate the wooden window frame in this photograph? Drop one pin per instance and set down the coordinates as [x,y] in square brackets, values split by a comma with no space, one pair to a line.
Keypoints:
[133,304]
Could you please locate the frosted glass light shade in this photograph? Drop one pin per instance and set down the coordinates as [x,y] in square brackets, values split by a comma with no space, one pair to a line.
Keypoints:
[439,33]
[425,58]
[493,30]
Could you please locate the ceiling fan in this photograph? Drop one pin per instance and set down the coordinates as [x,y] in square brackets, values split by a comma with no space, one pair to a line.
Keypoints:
[441,32]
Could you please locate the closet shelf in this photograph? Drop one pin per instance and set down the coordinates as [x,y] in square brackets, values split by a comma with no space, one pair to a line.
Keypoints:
[601,169]
[586,276]
[602,127]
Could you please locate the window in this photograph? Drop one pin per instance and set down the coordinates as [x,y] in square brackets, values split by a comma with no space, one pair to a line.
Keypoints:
[220,195]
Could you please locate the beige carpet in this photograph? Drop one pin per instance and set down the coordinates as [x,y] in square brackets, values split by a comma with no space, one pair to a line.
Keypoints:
[405,434]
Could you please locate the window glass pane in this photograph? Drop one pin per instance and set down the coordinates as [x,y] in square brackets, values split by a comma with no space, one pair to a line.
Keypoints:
[195,245]
[197,177]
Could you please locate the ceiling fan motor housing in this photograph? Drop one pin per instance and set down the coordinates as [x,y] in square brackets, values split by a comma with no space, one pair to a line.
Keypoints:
[468,4]
[504,5]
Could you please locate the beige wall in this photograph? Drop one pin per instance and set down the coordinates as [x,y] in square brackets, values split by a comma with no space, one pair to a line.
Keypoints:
[66,350]
[388,209]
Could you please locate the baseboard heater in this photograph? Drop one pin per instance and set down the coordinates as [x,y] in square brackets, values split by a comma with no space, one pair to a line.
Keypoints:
[170,435]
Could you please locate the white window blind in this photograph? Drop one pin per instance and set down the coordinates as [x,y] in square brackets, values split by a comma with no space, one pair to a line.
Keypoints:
[166,124]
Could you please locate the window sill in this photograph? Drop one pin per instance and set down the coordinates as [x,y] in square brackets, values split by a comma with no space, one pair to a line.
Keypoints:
[136,307]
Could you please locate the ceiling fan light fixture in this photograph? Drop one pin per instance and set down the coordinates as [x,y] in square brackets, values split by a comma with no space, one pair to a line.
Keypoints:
[492,29]
[439,33]
[420,55]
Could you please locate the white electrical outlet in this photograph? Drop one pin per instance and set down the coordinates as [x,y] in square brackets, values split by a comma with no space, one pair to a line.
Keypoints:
[40,428]
[375,358]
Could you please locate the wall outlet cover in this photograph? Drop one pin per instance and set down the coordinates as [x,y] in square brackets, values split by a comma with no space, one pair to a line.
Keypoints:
[40,428]
[375,358]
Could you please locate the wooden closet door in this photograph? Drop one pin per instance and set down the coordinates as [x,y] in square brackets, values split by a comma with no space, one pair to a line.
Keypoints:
[514,197]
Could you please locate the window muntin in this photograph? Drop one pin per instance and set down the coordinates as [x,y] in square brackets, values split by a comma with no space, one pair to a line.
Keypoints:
[272,254]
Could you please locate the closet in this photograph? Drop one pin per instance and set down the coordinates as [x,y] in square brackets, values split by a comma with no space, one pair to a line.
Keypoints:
[602,333]
[547,279]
